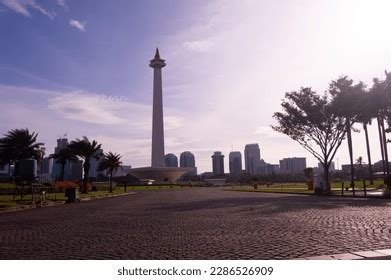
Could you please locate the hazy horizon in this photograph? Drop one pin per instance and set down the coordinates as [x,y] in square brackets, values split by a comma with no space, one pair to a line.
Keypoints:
[81,68]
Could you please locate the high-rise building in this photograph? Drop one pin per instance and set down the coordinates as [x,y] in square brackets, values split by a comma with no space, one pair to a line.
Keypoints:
[331,167]
[47,165]
[170,160]
[252,158]
[122,171]
[293,165]
[4,170]
[235,162]
[218,163]
[56,169]
[186,159]
[76,170]
[94,163]
[61,144]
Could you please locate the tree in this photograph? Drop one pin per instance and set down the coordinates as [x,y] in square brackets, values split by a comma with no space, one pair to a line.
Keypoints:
[346,101]
[380,104]
[17,145]
[308,172]
[62,157]
[110,163]
[88,151]
[312,121]
[360,168]
[384,94]
[367,111]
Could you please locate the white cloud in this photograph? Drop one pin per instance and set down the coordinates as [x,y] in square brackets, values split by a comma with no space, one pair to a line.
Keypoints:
[87,107]
[108,110]
[23,6]
[61,3]
[78,24]
[198,46]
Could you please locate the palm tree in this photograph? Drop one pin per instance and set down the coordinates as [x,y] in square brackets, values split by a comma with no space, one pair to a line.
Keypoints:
[17,145]
[381,103]
[367,111]
[87,151]
[62,157]
[111,162]
[344,94]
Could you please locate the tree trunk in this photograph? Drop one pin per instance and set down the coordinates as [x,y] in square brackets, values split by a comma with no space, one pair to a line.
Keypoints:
[385,147]
[368,153]
[381,144]
[110,179]
[86,167]
[326,166]
[350,146]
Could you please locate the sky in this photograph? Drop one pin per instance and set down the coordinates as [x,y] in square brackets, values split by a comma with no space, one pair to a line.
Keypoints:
[81,68]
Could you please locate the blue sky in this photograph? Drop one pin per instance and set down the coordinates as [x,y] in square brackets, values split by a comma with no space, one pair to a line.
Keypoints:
[81,68]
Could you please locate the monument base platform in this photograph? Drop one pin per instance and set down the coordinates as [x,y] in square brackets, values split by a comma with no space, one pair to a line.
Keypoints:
[159,174]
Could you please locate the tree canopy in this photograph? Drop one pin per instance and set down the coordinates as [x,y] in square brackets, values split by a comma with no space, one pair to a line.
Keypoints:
[312,121]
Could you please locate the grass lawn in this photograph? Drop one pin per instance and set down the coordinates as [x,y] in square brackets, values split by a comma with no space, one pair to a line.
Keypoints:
[7,185]
[153,187]
[303,189]
[7,200]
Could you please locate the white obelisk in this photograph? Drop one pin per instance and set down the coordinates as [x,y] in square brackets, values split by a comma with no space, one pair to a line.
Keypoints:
[157,116]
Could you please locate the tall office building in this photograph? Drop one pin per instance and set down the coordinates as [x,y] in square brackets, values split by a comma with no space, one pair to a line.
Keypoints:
[4,170]
[186,159]
[252,158]
[56,169]
[76,170]
[293,165]
[235,162]
[170,160]
[47,165]
[331,167]
[94,163]
[218,163]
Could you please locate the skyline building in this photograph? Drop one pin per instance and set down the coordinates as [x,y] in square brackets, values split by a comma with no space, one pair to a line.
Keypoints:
[252,158]
[218,163]
[62,143]
[331,167]
[293,166]
[235,162]
[76,170]
[170,160]
[187,160]
[4,170]
[94,163]
[47,165]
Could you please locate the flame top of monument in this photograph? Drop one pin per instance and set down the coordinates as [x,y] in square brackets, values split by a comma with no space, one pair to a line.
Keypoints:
[157,61]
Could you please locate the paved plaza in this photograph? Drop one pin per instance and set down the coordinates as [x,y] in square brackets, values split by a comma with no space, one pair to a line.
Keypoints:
[197,223]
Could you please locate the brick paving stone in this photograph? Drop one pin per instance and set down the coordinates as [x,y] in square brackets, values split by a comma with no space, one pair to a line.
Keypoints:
[198,223]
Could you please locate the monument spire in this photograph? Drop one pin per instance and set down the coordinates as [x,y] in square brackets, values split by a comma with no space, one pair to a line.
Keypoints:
[157,156]
[157,55]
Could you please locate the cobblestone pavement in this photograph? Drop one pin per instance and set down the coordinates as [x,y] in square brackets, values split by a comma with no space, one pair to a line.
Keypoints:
[197,223]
